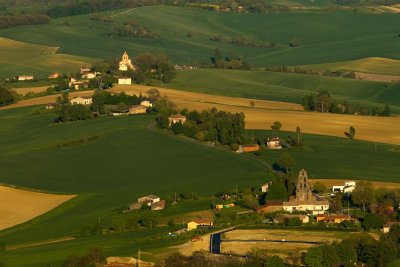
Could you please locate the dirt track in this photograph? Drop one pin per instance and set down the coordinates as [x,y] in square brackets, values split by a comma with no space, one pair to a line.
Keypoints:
[18,206]
[375,129]
[374,184]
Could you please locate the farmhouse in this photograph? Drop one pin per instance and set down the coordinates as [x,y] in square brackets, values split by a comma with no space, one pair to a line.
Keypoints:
[264,187]
[84,70]
[90,75]
[25,78]
[146,103]
[248,148]
[139,109]
[50,106]
[124,80]
[387,226]
[159,205]
[271,206]
[283,217]
[81,100]
[348,187]
[274,143]
[126,63]
[336,219]
[176,118]
[149,198]
[304,199]
[199,222]
[54,75]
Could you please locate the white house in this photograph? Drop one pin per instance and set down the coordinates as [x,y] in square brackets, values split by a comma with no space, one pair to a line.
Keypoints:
[25,78]
[264,187]
[146,103]
[81,100]
[124,81]
[274,143]
[150,199]
[348,187]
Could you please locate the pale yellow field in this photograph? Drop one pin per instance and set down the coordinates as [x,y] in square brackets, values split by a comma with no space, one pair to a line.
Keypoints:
[276,248]
[375,129]
[27,90]
[18,206]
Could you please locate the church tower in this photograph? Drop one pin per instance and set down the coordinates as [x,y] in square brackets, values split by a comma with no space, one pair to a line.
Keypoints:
[303,187]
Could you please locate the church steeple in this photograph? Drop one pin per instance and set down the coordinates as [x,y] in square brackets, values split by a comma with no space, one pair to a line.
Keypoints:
[303,187]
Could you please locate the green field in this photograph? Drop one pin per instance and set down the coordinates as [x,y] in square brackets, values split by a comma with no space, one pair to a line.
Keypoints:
[127,160]
[325,37]
[123,158]
[339,158]
[284,86]
[369,65]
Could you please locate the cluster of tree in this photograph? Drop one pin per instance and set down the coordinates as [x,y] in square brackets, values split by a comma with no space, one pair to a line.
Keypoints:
[363,249]
[132,29]
[153,67]
[252,6]
[324,102]
[67,112]
[26,19]
[242,40]
[233,62]
[7,97]
[93,257]
[104,102]
[102,18]
[73,7]
[256,258]
[208,125]
[299,70]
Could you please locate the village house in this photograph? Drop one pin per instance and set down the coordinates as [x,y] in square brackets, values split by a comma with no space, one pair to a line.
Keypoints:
[274,143]
[25,78]
[90,75]
[192,225]
[146,103]
[387,226]
[333,218]
[139,109]
[126,63]
[78,84]
[149,198]
[54,75]
[176,118]
[283,217]
[50,106]
[159,205]
[152,201]
[264,187]
[81,100]
[304,199]
[122,81]
[84,70]
[348,187]
[248,148]
[270,206]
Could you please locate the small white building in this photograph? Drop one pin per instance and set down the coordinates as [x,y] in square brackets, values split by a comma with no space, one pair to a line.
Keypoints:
[348,187]
[124,81]
[146,103]
[149,199]
[274,143]
[90,75]
[176,118]
[264,187]
[25,78]
[81,101]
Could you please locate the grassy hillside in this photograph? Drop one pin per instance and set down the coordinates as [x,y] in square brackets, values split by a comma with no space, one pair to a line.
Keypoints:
[324,37]
[283,86]
[110,162]
[339,158]
[369,65]
[18,58]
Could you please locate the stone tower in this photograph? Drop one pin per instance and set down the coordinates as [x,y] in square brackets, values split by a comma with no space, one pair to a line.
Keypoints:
[303,188]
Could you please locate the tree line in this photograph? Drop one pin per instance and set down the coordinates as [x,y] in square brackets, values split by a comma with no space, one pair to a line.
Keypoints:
[324,102]
[25,19]
[132,29]
[232,62]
